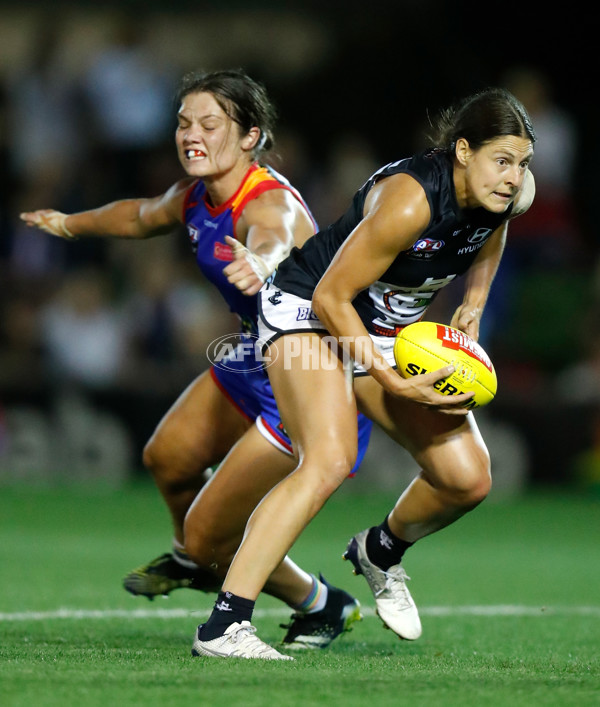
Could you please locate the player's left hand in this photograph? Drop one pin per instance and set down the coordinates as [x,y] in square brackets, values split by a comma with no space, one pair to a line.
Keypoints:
[248,271]
[48,220]
[467,318]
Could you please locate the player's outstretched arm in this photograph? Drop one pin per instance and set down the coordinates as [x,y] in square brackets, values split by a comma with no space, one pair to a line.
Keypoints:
[49,220]
[127,218]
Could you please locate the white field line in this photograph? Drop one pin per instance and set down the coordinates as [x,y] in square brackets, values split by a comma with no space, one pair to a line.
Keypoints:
[501,610]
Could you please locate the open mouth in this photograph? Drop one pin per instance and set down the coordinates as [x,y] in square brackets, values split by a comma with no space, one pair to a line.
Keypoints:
[194,154]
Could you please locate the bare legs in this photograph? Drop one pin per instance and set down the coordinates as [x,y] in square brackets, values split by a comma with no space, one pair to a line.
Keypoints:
[195,434]
[215,523]
[326,457]
[455,463]
[455,475]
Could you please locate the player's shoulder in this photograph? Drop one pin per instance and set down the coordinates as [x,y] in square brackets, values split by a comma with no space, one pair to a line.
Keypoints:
[268,195]
[177,196]
[181,187]
[400,195]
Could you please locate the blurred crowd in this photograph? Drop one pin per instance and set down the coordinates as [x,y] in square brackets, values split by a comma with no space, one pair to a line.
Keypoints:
[110,313]
[84,127]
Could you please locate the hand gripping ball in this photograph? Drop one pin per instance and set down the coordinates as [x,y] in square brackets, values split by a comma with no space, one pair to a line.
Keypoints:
[424,347]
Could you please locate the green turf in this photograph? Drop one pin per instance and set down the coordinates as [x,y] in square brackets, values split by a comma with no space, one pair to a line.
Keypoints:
[538,557]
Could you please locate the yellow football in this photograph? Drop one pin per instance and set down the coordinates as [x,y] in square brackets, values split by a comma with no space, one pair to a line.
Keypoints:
[424,347]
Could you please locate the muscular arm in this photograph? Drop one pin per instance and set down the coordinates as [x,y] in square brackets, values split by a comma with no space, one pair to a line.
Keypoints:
[478,283]
[127,218]
[396,213]
[479,279]
[270,226]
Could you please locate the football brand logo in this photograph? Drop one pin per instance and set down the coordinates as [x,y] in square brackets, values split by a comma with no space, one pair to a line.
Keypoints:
[453,339]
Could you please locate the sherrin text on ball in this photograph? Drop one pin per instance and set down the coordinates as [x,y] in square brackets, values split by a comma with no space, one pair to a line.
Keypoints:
[424,347]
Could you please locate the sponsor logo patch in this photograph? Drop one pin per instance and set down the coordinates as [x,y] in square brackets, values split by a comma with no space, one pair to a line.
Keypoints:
[306,314]
[223,252]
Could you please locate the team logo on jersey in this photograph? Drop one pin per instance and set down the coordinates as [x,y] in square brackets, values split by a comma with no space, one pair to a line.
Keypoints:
[193,235]
[222,251]
[426,248]
[400,306]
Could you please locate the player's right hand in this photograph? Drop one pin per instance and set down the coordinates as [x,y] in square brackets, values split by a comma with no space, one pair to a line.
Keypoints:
[420,389]
[50,221]
[248,271]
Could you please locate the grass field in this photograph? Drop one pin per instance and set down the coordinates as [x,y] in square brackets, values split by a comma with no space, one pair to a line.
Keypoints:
[509,599]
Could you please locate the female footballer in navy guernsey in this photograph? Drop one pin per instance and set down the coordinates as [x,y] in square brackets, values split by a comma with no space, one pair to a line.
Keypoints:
[242,218]
[415,226]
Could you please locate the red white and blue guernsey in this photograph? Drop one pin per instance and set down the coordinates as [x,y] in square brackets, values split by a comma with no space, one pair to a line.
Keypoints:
[240,374]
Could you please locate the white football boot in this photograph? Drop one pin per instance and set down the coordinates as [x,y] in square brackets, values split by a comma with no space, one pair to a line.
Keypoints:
[395,606]
[238,641]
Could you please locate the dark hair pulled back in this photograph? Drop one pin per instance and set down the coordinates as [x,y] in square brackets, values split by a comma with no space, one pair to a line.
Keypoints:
[242,98]
[482,117]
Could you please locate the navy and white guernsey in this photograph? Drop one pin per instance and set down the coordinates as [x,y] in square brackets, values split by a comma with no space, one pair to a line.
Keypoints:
[444,251]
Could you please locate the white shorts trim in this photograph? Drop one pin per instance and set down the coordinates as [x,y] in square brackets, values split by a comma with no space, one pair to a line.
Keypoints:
[281,313]
[270,437]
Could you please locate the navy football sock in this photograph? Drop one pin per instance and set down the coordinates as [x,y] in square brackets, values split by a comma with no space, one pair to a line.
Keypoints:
[385,549]
[228,609]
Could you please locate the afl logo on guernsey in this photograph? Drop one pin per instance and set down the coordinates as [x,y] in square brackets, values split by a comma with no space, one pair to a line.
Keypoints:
[427,247]
[193,235]
[428,244]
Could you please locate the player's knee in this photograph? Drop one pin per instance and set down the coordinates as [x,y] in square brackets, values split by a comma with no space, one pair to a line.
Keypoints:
[208,551]
[332,467]
[156,456]
[478,490]
[195,547]
[473,482]
[151,455]
[171,465]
